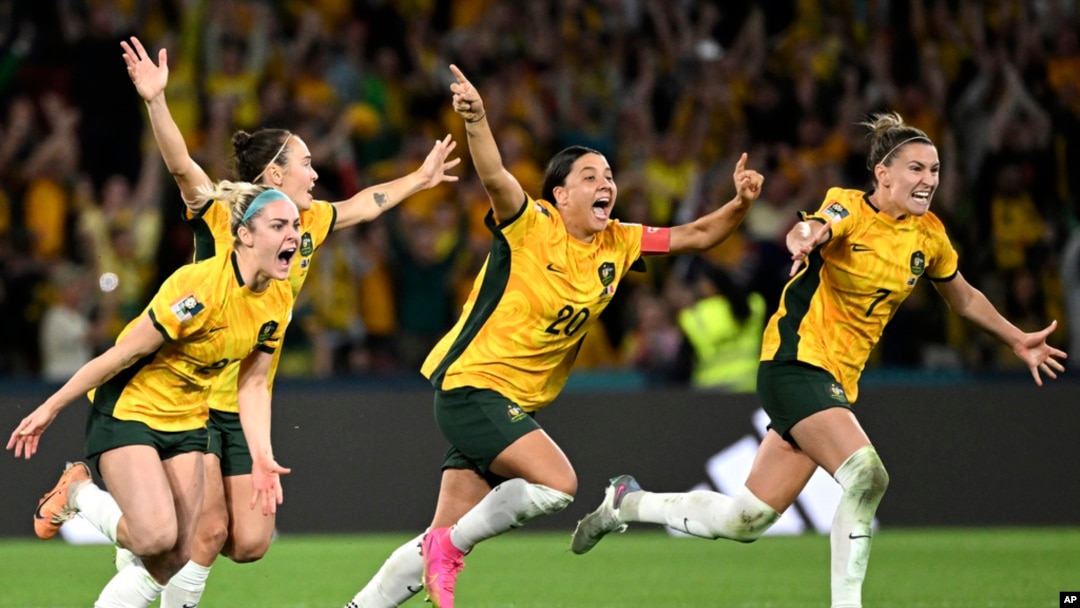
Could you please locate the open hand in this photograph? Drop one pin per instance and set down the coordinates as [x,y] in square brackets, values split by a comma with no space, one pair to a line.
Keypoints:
[266,478]
[1038,355]
[149,79]
[24,439]
[433,171]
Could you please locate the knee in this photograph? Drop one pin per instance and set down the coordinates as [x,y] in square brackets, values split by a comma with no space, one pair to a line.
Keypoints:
[155,543]
[549,500]
[246,550]
[864,476]
[752,517]
[212,533]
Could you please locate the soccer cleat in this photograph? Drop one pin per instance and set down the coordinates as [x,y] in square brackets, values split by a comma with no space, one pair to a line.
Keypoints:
[442,563]
[53,508]
[605,519]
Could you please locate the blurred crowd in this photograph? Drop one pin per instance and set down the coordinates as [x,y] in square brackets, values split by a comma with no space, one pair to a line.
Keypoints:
[671,91]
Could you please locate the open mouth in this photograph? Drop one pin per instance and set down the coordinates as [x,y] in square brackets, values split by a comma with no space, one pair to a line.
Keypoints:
[285,256]
[601,207]
[922,197]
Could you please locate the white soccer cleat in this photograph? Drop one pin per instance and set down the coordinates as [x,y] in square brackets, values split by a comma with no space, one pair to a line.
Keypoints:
[605,519]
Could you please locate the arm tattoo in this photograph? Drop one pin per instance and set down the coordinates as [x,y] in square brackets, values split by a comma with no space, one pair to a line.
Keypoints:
[381,200]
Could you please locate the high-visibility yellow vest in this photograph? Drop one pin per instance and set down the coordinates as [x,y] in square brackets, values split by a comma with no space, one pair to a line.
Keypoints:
[726,352]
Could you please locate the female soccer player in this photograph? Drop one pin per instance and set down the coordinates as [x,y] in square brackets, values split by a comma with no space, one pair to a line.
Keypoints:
[281,159]
[554,266]
[147,426]
[863,254]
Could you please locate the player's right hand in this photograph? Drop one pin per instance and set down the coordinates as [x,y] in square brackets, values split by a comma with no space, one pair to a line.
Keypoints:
[149,79]
[24,439]
[266,479]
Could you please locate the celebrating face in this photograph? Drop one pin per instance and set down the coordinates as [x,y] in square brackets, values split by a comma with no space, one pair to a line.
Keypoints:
[274,238]
[910,181]
[297,177]
[588,196]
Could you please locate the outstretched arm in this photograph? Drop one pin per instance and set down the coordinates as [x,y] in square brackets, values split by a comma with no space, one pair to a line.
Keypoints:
[503,188]
[150,81]
[253,396]
[142,340]
[710,230]
[372,202]
[1032,348]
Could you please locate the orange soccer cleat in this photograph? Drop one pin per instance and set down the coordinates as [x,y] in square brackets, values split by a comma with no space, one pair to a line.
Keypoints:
[53,508]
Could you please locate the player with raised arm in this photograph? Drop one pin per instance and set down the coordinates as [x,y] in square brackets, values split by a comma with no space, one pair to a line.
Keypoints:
[147,424]
[854,262]
[554,265]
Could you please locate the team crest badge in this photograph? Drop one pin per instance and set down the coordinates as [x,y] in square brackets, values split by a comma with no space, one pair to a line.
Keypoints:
[836,392]
[187,307]
[918,263]
[607,273]
[267,331]
[515,413]
[306,245]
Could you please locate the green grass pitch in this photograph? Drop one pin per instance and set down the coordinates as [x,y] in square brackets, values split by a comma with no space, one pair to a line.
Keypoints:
[1007,568]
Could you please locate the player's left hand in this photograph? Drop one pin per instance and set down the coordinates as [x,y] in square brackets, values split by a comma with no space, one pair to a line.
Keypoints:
[433,171]
[747,181]
[1040,356]
[266,479]
[466,100]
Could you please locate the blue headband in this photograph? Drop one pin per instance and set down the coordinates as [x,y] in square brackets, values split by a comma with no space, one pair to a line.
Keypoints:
[265,198]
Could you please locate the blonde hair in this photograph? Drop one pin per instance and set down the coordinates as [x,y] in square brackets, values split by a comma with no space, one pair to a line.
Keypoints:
[888,133]
[238,196]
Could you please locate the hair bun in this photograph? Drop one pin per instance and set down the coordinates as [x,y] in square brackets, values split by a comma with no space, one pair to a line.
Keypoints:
[240,140]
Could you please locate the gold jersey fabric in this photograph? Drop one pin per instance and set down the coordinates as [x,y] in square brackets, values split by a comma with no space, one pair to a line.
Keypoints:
[213,234]
[834,310]
[211,321]
[537,295]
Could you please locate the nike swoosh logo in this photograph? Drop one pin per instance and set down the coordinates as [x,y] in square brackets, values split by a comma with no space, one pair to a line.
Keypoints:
[857,247]
[554,269]
[212,331]
[414,590]
[37,511]
[854,536]
[619,493]
[190,606]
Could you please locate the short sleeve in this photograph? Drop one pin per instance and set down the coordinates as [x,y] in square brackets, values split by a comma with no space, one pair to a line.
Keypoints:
[833,211]
[944,261]
[319,221]
[179,309]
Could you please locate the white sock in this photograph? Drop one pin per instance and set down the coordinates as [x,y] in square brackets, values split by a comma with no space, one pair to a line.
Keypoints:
[863,478]
[99,508]
[507,506]
[743,517]
[186,587]
[132,587]
[400,578]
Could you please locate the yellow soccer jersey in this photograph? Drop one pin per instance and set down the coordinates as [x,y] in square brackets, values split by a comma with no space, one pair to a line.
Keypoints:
[213,234]
[833,312]
[532,303]
[211,322]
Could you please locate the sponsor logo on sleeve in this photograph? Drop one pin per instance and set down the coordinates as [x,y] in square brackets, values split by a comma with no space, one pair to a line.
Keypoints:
[186,307]
[835,212]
